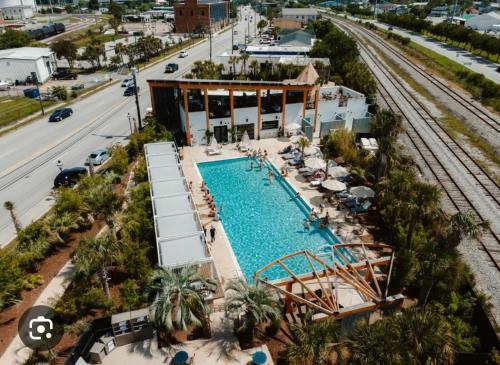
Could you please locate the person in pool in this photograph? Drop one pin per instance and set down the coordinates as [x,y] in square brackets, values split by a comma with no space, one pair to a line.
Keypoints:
[270,175]
[307,225]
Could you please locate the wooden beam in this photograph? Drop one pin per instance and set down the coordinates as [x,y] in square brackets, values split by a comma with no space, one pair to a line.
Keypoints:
[306,94]
[231,107]
[316,103]
[283,111]
[290,272]
[234,85]
[323,290]
[370,268]
[186,111]
[153,100]
[207,112]
[389,276]
[259,103]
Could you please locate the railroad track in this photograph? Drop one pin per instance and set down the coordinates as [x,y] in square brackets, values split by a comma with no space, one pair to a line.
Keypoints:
[422,129]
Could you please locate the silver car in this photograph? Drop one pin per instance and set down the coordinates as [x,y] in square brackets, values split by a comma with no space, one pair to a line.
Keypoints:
[97,157]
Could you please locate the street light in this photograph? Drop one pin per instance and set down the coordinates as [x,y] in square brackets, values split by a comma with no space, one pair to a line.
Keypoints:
[134,71]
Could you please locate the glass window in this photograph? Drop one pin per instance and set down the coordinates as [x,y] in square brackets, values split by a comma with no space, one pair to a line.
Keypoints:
[270,124]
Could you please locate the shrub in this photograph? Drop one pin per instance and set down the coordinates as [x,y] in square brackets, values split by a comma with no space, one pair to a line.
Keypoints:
[33,281]
[129,295]
[60,92]
[119,160]
[141,171]
[11,280]
[67,201]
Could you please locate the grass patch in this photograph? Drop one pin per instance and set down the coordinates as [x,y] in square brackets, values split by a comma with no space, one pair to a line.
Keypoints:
[83,42]
[18,107]
[452,125]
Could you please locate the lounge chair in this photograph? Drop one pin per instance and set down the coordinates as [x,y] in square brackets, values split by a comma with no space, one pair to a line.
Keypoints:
[214,151]
[362,208]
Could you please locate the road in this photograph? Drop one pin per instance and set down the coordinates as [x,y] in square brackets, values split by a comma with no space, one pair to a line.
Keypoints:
[28,155]
[471,61]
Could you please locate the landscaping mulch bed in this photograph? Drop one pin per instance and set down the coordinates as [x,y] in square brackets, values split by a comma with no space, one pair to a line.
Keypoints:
[9,317]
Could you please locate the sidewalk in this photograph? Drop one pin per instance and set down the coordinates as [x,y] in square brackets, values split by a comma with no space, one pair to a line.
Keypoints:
[17,353]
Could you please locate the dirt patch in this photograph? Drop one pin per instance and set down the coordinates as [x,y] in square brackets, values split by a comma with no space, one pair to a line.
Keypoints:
[9,317]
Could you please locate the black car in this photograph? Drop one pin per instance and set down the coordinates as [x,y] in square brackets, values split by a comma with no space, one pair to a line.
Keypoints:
[64,74]
[69,177]
[498,69]
[129,91]
[171,67]
[235,47]
[60,114]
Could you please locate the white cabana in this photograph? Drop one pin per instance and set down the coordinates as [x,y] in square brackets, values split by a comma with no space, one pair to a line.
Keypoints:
[245,143]
[214,148]
[333,185]
[362,192]
[168,187]
[293,126]
[338,171]
[181,251]
[315,163]
[311,150]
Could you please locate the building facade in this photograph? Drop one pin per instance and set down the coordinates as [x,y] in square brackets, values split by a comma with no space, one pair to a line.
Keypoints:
[192,14]
[262,108]
[18,9]
[19,63]
[305,15]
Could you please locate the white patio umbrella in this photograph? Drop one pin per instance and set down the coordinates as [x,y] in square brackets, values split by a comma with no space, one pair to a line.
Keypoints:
[213,143]
[293,126]
[311,150]
[338,171]
[362,192]
[315,163]
[245,139]
[333,185]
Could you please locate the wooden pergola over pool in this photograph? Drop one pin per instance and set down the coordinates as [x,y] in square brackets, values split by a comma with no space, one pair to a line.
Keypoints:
[336,288]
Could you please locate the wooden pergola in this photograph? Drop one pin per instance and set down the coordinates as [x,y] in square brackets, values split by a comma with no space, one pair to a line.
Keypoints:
[346,284]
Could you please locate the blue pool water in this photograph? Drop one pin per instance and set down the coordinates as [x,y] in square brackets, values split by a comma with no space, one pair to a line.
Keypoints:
[261,219]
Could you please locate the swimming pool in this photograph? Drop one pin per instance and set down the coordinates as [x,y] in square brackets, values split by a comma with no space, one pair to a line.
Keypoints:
[262,220]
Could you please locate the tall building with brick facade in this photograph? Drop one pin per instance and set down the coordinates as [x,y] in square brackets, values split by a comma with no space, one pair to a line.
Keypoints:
[212,14]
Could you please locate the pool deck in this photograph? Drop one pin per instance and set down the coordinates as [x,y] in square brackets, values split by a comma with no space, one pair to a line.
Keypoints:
[222,253]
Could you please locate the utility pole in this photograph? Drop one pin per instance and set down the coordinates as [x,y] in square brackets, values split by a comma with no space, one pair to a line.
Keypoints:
[232,36]
[134,71]
[210,41]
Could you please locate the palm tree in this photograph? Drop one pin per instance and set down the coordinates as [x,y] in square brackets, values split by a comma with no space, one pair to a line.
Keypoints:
[387,124]
[94,256]
[374,344]
[103,201]
[254,66]
[176,300]
[423,337]
[244,58]
[251,305]
[61,225]
[303,143]
[314,342]
[233,60]
[120,49]
[10,207]
[424,200]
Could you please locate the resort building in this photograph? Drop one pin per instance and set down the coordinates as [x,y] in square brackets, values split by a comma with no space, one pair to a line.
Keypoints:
[287,23]
[305,15]
[192,14]
[265,109]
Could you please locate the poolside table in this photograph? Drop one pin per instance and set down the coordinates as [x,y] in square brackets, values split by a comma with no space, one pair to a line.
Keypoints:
[181,358]
[259,358]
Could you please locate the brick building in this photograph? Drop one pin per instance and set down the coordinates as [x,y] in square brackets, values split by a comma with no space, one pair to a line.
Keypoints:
[212,14]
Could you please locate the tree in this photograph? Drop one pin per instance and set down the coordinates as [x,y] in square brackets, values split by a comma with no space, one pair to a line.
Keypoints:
[95,256]
[14,39]
[15,221]
[94,51]
[250,305]
[65,49]
[303,143]
[374,344]
[358,77]
[254,67]
[233,60]
[120,50]
[261,25]
[387,124]
[101,199]
[176,300]
[114,24]
[314,342]
[69,9]
[60,92]
[244,58]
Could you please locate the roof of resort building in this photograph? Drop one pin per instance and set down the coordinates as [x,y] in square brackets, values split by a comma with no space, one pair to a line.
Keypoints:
[227,84]
[308,75]
[178,229]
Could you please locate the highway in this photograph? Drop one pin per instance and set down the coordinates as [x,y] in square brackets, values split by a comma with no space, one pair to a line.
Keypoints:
[28,155]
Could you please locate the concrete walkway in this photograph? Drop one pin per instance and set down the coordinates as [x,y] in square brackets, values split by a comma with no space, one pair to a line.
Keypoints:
[459,55]
[17,353]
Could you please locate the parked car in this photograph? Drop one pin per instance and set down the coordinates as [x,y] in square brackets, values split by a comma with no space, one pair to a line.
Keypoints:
[64,74]
[127,82]
[97,157]
[60,114]
[235,47]
[498,69]
[78,87]
[171,67]
[390,28]
[31,93]
[4,85]
[183,54]
[129,91]
[69,176]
